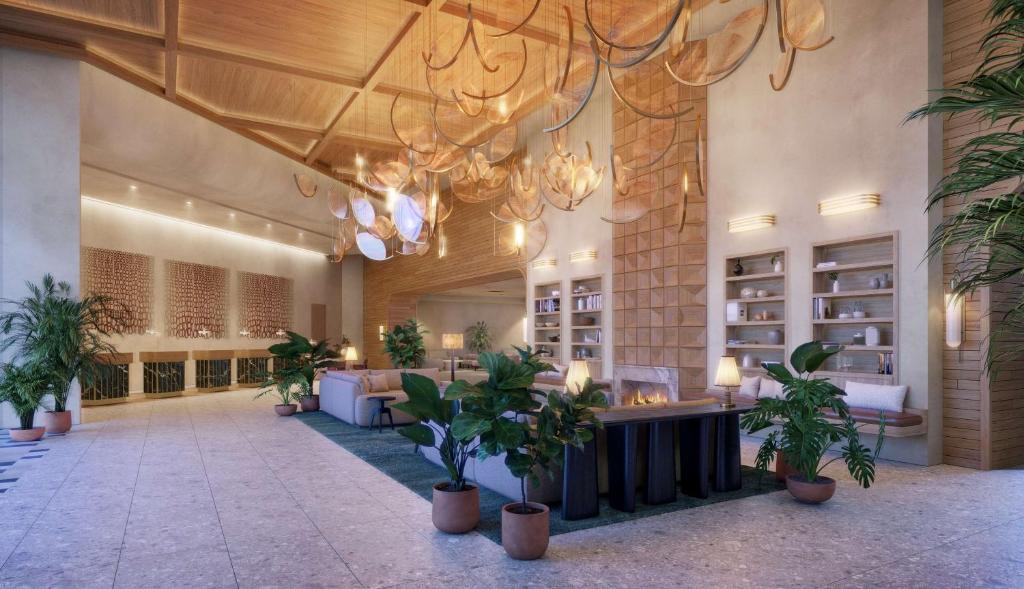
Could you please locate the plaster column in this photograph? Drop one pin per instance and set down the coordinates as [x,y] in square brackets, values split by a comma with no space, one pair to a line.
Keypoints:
[40,201]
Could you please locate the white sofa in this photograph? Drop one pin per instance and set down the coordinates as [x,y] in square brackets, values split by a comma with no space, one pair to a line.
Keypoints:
[344,394]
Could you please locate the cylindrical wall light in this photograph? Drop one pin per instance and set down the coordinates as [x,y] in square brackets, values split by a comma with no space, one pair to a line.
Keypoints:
[954,320]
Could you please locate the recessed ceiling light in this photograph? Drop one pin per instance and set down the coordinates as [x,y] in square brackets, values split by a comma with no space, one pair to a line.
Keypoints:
[188,203]
[269,225]
[232,215]
[300,234]
[132,187]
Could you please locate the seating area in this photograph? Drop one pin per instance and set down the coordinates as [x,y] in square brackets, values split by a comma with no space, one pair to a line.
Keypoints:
[532,293]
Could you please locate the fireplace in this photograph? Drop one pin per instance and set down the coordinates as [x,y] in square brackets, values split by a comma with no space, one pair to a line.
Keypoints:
[645,385]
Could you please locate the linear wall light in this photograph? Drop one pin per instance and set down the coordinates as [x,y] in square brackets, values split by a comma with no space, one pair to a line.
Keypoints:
[545,263]
[583,256]
[236,234]
[380,332]
[751,223]
[848,204]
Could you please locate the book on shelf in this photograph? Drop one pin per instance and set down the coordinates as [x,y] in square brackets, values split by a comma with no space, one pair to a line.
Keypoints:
[885,363]
[821,308]
[826,265]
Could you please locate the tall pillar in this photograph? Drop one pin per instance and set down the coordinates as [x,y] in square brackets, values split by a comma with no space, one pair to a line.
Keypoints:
[40,199]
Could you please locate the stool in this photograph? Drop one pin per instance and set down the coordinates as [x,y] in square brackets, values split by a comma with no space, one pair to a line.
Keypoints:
[380,411]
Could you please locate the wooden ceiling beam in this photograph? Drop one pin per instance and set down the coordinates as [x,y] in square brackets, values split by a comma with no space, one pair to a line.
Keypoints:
[12,15]
[170,47]
[42,44]
[257,124]
[196,50]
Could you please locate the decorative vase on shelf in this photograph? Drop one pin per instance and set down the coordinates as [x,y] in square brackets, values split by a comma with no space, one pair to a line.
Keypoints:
[737,269]
[874,283]
[777,266]
[775,337]
[835,286]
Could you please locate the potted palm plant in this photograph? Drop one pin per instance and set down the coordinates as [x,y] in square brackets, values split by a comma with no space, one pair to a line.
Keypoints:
[806,434]
[288,388]
[65,334]
[508,416]
[478,338]
[455,508]
[404,344]
[25,387]
[299,356]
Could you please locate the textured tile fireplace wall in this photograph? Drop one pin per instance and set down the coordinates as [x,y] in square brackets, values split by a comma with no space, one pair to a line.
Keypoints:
[638,384]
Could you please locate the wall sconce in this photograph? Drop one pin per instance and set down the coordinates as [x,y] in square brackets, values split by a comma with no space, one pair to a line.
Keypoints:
[380,332]
[545,263]
[848,204]
[583,256]
[751,223]
[955,316]
[442,243]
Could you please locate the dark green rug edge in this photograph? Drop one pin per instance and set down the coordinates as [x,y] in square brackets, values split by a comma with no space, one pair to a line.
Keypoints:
[393,455]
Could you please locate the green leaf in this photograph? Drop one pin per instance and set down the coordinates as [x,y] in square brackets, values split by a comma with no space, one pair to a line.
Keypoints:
[466,426]
[509,434]
[798,359]
[419,434]
[778,372]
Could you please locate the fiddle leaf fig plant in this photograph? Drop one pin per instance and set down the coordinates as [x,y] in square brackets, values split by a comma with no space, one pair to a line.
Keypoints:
[404,343]
[478,338]
[806,434]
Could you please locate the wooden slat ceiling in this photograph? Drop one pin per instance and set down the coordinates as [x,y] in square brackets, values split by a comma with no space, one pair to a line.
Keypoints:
[312,79]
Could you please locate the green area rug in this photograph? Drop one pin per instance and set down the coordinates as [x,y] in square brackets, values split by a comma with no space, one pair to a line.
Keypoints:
[393,455]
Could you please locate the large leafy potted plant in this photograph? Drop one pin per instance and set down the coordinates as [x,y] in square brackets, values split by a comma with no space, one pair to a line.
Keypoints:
[24,387]
[404,343]
[478,338]
[288,388]
[67,335]
[508,417]
[806,434]
[298,356]
[455,507]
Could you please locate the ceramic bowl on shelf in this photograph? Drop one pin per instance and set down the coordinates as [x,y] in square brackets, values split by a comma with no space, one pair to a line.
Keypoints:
[844,315]
[747,293]
[859,314]
[762,293]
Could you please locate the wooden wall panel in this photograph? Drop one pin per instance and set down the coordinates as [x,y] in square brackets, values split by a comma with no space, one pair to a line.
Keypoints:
[660,272]
[391,288]
[126,278]
[197,299]
[318,321]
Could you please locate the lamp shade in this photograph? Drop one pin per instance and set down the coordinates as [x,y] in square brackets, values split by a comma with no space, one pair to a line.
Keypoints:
[351,354]
[451,341]
[576,377]
[727,375]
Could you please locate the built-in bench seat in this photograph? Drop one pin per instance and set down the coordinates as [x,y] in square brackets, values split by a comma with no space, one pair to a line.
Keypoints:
[905,424]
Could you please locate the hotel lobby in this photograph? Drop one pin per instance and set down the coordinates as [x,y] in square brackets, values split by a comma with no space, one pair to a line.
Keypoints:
[511,293]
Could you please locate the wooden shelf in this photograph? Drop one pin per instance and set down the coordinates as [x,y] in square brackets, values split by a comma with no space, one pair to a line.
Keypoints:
[871,292]
[762,276]
[853,321]
[547,328]
[856,348]
[547,298]
[755,346]
[856,266]
[584,294]
[753,323]
[548,313]
[586,327]
[772,299]
[586,311]
[588,344]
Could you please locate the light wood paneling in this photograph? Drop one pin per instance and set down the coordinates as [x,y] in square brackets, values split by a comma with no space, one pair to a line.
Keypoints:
[318,321]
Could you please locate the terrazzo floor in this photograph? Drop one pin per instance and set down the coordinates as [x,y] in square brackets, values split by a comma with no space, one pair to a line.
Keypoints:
[216,491]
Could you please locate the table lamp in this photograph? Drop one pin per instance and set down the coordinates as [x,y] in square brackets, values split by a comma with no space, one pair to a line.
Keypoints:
[452,341]
[576,377]
[727,376]
[351,356]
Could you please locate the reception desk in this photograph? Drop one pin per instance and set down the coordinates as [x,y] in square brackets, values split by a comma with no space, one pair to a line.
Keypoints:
[213,370]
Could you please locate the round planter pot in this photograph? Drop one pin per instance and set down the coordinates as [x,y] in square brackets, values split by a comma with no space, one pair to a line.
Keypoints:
[455,512]
[57,422]
[311,403]
[820,491]
[27,435]
[782,468]
[285,410]
[524,536]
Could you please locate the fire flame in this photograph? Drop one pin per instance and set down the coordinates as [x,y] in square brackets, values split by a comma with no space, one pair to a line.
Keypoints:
[653,399]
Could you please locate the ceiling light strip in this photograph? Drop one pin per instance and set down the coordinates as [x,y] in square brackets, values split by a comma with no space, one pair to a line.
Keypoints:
[751,223]
[95,200]
[848,204]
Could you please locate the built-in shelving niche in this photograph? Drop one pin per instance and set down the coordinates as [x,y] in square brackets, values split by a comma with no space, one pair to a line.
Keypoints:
[750,335]
[547,321]
[586,310]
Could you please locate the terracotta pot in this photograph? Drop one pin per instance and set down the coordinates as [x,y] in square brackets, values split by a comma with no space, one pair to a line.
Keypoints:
[819,491]
[524,536]
[310,403]
[285,410]
[57,422]
[782,468]
[27,435]
[455,512]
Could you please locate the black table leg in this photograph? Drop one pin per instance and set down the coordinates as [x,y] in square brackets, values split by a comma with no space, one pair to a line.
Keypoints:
[694,462]
[622,451]
[661,464]
[579,482]
[727,453]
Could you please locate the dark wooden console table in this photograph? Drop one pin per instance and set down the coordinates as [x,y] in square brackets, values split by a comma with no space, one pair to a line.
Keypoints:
[691,424]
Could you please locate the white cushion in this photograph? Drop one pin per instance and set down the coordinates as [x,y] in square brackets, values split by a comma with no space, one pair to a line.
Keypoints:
[749,386]
[771,389]
[875,396]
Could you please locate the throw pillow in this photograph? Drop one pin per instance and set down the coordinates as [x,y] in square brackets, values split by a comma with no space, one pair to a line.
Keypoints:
[771,389]
[749,385]
[379,383]
[875,396]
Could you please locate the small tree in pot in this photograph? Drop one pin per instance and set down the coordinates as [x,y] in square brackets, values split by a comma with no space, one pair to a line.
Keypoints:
[301,357]
[24,387]
[63,333]
[456,504]
[478,338]
[806,434]
[507,415]
[288,388]
[404,343]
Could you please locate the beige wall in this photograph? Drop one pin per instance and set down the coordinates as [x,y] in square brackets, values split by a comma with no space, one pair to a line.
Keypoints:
[836,130]
[39,179]
[314,279]
[454,314]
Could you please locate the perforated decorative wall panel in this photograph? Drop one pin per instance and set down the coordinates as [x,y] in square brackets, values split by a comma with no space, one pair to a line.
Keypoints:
[264,304]
[197,300]
[127,279]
